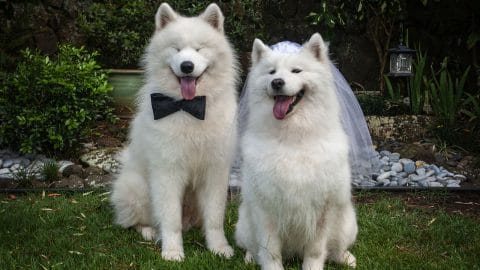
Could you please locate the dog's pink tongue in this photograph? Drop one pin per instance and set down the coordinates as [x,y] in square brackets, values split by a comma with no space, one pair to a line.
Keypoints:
[187,86]
[280,108]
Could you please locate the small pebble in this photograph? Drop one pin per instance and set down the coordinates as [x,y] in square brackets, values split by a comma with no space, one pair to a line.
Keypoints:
[430,173]
[386,168]
[383,176]
[453,185]
[394,157]
[397,167]
[385,153]
[460,177]
[408,165]
[419,163]
[435,169]
[423,183]
[385,182]
[420,171]
[8,163]
[416,178]
[402,181]
[4,171]
[435,184]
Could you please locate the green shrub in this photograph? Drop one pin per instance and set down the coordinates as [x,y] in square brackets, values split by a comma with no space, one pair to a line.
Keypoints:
[381,106]
[49,105]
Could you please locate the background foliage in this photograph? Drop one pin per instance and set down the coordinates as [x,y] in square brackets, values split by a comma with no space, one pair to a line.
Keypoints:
[120,29]
[359,31]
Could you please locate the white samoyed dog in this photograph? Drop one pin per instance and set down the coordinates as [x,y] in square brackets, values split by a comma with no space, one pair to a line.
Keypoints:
[179,159]
[296,194]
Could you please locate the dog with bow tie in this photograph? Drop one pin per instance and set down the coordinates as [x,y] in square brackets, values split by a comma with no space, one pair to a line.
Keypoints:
[182,139]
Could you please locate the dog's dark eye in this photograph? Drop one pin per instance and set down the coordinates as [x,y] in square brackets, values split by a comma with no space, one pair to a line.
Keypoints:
[272,71]
[296,70]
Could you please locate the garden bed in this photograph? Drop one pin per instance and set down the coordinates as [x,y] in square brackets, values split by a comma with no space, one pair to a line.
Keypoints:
[108,138]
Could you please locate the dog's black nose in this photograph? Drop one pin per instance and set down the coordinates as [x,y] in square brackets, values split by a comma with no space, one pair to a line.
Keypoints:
[186,67]
[277,84]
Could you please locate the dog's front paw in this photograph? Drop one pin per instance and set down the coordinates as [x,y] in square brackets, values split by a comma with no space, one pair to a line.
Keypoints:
[148,233]
[225,251]
[313,263]
[248,258]
[349,259]
[173,255]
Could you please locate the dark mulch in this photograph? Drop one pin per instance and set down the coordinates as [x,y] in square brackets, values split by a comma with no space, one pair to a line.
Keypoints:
[460,202]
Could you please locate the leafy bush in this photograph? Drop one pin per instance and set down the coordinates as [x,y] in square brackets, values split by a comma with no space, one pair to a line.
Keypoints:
[379,105]
[48,104]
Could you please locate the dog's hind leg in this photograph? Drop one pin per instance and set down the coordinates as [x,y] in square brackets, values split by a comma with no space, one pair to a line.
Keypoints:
[212,197]
[131,203]
[343,237]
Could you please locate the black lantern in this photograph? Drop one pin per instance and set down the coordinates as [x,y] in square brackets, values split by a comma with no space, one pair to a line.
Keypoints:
[401,59]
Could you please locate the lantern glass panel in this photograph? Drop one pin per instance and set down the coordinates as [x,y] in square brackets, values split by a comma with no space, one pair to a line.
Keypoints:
[400,63]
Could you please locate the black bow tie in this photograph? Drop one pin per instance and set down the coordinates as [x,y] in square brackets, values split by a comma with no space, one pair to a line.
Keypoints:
[164,105]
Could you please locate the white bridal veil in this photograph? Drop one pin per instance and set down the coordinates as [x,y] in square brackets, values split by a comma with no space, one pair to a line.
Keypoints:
[362,154]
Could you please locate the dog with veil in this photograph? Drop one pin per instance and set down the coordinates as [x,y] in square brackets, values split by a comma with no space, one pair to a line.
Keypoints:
[295,114]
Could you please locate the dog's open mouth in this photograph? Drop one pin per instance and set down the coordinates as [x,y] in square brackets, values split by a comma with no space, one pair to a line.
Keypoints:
[284,104]
[188,86]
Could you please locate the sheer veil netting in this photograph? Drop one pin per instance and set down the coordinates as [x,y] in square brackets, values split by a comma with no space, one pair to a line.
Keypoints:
[363,158]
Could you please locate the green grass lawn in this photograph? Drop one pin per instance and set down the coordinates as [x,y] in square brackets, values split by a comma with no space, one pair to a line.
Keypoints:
[75,231]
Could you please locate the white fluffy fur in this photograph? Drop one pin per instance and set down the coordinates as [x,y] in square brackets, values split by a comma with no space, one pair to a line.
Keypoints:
[296,195]
[169,159]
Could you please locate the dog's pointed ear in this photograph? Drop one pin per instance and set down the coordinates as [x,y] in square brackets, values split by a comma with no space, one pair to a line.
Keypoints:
[213,16]
[258,51]
[317,47]
[165,14]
